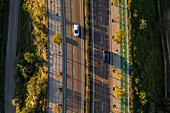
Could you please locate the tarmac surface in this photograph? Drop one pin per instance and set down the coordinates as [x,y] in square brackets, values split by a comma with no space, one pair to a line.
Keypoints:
[10,63]
[74,58]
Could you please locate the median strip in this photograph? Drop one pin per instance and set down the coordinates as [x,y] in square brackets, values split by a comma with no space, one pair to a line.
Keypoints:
[88,43]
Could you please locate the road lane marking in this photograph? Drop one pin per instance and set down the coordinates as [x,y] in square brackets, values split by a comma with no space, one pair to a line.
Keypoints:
[101,18]
[102,38]
[102,105]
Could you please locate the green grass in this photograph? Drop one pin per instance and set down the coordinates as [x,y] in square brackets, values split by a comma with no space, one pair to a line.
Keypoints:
[4,11]
[123,46]
[146,58]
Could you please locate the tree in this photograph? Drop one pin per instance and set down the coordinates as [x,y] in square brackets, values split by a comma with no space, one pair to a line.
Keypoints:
[119,37]
[57,76]
[57,39]
[115,2]
[36,96]
[142,97]
[135,14]
[30,57]
[119,73]
[143,23]
[57,108]
[119,93]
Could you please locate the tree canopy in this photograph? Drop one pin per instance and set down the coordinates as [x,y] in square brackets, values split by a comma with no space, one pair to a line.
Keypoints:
[119,93]
[30,57]
[119,37]
[119,73]
[57,39]
[116,2]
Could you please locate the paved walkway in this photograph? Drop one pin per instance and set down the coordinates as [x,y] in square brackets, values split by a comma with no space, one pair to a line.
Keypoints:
[116,59]
[54,20]
[120,56]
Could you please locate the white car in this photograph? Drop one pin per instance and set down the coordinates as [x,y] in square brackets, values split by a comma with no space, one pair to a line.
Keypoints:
[76,30]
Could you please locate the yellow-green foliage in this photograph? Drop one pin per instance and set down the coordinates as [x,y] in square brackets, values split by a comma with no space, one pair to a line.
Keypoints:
[29,57]
[58,75]
[142,96]
[116,2]
[119,37]
[31,81]
[37,10]
[119,73]
[57,38]
[143,23]
[135,14]
[119,93]
[57,108]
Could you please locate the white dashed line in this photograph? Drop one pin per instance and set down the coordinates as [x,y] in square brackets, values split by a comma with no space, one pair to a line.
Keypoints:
[101,18]
[102,105]
[102,38]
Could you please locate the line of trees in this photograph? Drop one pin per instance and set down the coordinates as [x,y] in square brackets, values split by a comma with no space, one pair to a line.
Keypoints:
[31,78]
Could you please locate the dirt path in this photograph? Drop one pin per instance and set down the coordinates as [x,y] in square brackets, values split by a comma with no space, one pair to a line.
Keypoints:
[11,56]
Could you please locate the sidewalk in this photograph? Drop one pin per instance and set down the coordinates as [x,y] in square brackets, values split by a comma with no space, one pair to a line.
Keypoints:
[116,59]
[120,57]
[54,22]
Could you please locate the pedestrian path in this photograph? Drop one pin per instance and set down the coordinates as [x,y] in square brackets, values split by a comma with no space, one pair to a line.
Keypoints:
[120,56]
[54,23]
[116,59]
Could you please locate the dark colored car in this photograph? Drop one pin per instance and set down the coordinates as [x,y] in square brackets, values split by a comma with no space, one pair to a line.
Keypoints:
[105,56]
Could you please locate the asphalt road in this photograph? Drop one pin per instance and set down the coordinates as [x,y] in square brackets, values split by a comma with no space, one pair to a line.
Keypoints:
[74,57]
[11,56]
[101,69]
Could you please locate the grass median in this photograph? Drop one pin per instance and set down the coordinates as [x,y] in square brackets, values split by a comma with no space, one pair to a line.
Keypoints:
[146,58]
[4,12]
[88,43]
